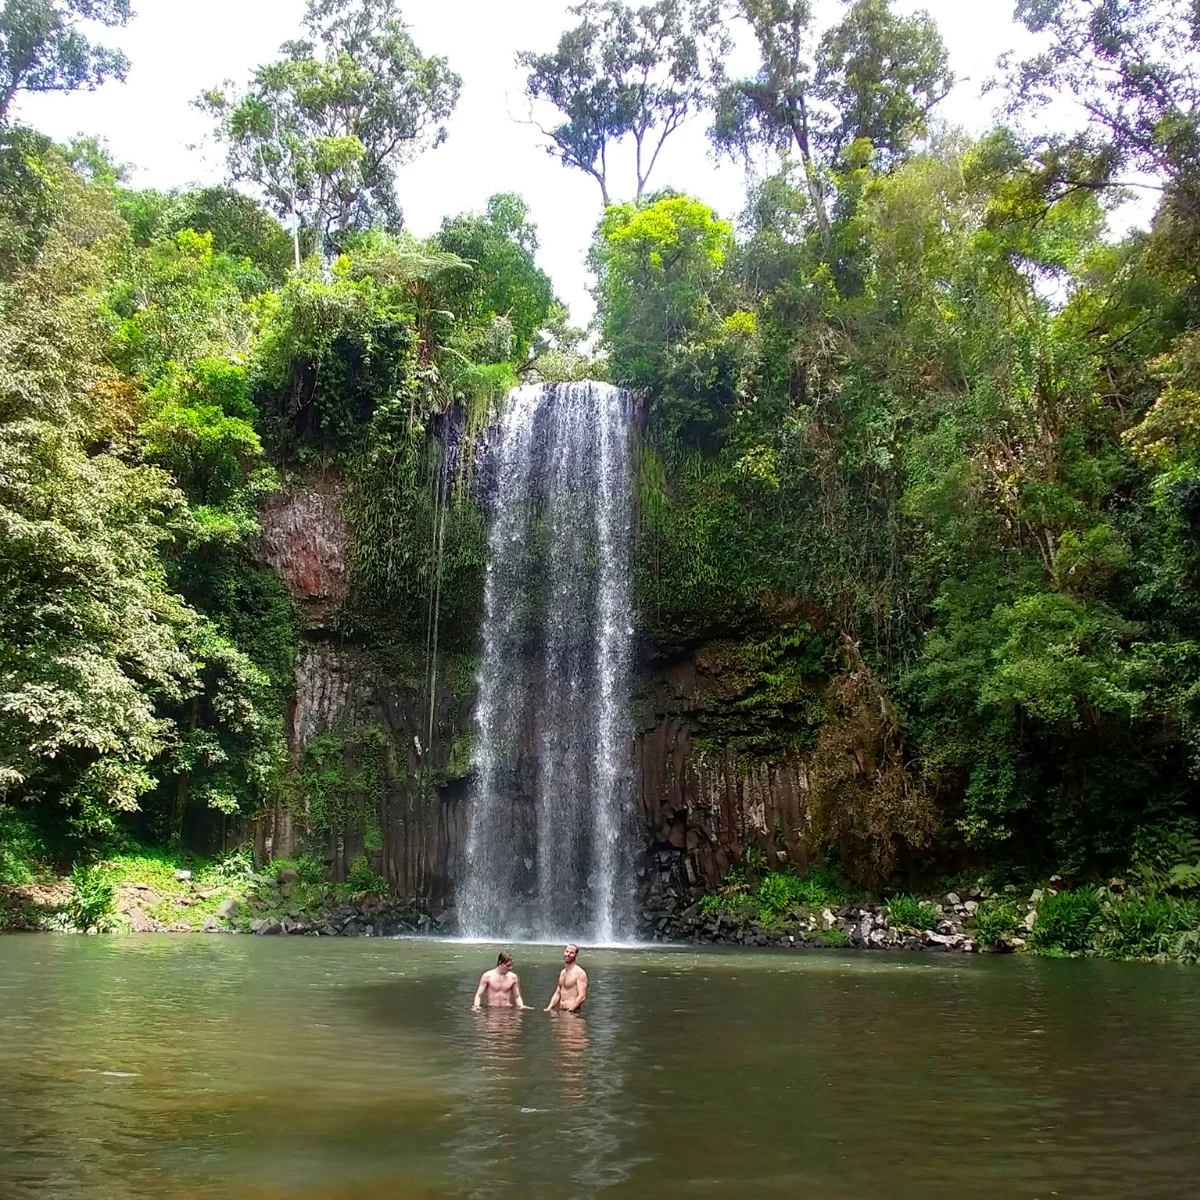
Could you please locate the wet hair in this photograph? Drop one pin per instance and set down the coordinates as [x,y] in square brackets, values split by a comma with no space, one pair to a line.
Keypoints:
[504,957]
[572,946]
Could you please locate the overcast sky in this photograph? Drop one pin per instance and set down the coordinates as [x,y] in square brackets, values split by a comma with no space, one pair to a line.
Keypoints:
[177,50]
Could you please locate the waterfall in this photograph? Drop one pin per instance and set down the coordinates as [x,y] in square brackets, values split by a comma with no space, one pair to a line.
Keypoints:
[549,845]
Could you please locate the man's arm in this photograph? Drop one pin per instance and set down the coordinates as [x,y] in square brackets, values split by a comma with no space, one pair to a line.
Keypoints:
[580,990]
[479,990]
[557,990]
[517,994]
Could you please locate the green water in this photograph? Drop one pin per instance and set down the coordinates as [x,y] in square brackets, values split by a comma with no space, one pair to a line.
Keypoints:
[219,1067]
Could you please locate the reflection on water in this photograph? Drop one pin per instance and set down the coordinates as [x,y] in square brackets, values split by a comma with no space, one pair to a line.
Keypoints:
[558,1127]
[571,1039]
[222,1068]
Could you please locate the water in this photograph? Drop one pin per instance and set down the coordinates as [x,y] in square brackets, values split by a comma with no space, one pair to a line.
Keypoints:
[549,846]
[221,1068]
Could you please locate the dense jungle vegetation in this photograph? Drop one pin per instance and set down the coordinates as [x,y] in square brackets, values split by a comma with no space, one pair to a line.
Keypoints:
[922,431]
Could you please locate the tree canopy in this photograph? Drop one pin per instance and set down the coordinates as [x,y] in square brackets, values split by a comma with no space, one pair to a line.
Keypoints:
[43,49]
[624,74]
[322,130]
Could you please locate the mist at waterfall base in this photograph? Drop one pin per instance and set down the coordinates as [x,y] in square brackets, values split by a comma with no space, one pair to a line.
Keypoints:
[550,842]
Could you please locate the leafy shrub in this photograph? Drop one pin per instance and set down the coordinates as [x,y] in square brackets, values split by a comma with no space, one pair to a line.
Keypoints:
[821,886]
[777,893]
[1143,925]
[909,912]
[235,864]
[735,880]
[90,902]
[996,923]
[23,852]
[311,869]
[781,890]
[1167,853]
[1187,948]
[754,861]
[1066,922]
[1185,877]
[362,877]
[836,938]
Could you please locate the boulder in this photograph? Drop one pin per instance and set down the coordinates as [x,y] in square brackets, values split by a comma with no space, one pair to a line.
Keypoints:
[289,875]
[139,922]
[265,928]
[228,908]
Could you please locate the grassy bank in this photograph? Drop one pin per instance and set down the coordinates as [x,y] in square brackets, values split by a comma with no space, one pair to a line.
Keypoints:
[141,888]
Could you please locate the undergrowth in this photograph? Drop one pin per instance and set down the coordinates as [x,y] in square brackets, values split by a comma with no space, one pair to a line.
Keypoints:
[776,895]
[906,911]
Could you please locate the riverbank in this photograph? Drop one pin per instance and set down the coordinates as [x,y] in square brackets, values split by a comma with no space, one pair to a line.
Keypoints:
[153,891]
[1118,919]
[150,891]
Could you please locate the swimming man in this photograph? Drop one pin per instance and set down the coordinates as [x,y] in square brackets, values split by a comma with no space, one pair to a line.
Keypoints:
[572,984]
[501,984]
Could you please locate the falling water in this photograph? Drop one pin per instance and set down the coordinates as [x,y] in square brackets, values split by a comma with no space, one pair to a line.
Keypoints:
[548,848]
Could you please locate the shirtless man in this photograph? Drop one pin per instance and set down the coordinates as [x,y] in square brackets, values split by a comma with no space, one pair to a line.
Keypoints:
[501,984]
[572,984]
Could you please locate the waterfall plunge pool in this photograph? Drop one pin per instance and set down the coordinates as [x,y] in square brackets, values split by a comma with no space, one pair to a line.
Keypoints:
[215,1068]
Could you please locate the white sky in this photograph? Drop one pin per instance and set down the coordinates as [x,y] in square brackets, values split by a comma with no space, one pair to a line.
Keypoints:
[179,49]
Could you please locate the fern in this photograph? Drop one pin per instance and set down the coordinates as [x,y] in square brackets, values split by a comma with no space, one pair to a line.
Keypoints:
[1185,876]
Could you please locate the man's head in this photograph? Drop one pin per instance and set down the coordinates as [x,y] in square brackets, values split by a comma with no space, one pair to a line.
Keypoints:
[570,954]
[504,962]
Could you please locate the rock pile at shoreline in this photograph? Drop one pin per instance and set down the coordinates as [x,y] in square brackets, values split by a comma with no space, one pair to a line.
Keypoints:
[668,916]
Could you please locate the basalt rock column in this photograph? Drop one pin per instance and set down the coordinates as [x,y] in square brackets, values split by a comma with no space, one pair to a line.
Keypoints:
[549,848]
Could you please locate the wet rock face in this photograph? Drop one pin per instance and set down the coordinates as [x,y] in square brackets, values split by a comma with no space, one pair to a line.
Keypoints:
[408,828]
[306,538]
[326,677]
[702,805]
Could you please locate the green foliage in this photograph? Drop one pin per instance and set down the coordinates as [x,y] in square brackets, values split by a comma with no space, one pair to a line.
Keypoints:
[907,911]
[626,74]
[235,864]
[311,870]
[25,853]
[777,894]
[237,226]
[341,779]
[362,877]
[43,48]
[90,901]
[1066,922]
[657,263]
[995,924]
[505,297]
[322,130]
[835,938]
[1145,925]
